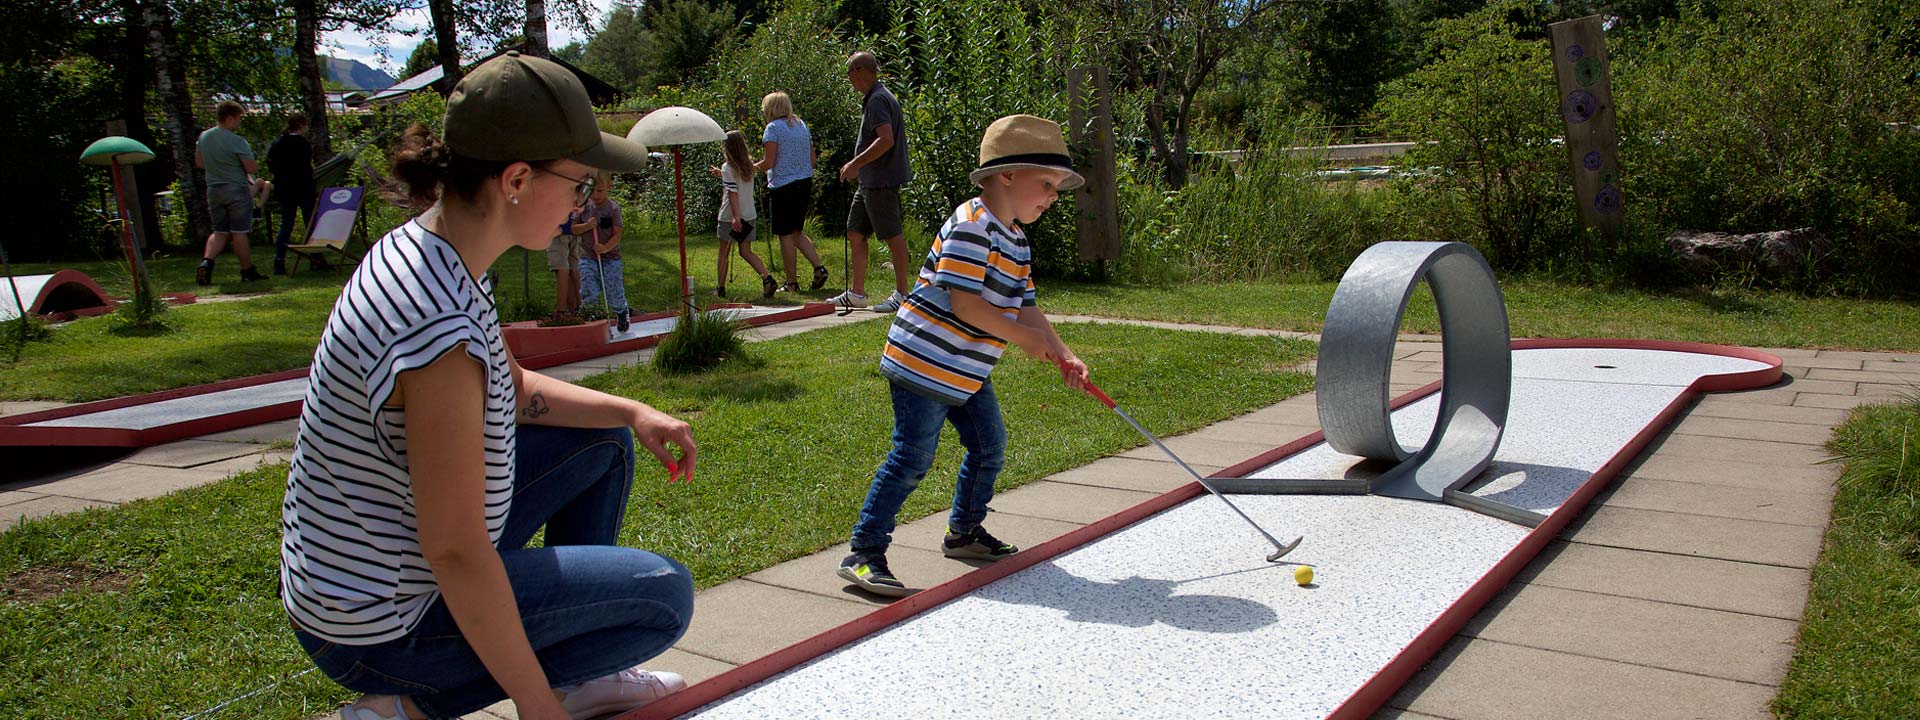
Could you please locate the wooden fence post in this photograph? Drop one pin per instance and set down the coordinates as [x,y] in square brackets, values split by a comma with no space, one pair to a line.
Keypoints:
[1090,132]
[1586,104]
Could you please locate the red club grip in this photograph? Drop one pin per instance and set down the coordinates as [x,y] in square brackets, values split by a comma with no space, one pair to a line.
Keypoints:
[1102,397]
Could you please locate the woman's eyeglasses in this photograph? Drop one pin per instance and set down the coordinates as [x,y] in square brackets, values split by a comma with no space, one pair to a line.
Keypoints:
[583,186]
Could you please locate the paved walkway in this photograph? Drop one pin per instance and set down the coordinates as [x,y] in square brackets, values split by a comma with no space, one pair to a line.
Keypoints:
[1677,594]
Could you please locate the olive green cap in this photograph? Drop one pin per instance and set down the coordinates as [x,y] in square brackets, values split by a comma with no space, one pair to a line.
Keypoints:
[522,108]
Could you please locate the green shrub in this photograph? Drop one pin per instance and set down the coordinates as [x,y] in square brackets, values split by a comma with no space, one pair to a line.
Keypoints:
[1487,107]
[17,333]
[700,341]
[1880,445]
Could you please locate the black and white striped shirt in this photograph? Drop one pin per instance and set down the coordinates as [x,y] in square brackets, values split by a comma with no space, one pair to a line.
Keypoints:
[351,570]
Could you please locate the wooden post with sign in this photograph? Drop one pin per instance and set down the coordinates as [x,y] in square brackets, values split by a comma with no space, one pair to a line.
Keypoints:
[1586,104]
[1090,136]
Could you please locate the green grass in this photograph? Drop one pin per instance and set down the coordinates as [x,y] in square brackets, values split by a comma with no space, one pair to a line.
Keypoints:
[1535,308]
[1860,636]
[186,615]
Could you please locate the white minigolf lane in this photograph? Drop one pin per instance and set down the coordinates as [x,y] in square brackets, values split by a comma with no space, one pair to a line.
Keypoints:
[1178,616]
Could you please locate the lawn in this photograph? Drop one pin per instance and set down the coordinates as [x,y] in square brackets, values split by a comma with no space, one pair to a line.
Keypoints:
[1860,636]
[166,607]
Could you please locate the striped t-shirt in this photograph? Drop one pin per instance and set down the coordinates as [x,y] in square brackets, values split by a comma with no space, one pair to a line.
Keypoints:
[930,349]
[350,565]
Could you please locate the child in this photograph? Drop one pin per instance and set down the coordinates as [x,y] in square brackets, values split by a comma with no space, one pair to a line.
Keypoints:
[975,295]
[736,212]
[599,232]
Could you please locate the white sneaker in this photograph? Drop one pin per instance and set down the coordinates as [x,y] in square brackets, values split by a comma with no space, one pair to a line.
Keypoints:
[620,692]
[891,304]
[849,299]
[367,708]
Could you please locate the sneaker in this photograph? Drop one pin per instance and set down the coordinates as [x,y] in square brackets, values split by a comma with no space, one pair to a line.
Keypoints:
[849,299]
[819,277]
[625,320]
[870,573]
[368,707]
[767,286]
[250,274]
[620,692]
[203,275]
[976,544]
[891,304]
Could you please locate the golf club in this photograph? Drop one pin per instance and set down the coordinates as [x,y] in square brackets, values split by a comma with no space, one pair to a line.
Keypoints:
[1280,549]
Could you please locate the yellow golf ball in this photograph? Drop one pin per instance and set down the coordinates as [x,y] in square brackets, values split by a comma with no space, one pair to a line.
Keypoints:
[1303,575]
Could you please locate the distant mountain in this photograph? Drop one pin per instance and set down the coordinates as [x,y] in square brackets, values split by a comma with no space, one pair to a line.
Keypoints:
[354,74]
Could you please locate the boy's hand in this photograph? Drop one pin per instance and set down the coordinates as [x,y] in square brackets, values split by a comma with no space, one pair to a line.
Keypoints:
[1073,372]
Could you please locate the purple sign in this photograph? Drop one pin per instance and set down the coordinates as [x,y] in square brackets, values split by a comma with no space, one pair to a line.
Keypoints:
[1607,201]
[1575,52]
[1580,107]
[1592,161]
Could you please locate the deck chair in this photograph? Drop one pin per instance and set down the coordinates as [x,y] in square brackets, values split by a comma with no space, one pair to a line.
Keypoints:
[335,215]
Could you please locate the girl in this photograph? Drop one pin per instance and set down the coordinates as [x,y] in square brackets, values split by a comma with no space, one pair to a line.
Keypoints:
[789,167]
[737,213]
[427,457]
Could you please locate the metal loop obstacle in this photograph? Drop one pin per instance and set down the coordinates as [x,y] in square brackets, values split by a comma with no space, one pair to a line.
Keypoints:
[1356,359]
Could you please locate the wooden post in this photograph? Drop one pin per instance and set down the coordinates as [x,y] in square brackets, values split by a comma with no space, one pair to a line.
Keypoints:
[1586,104]
[1090,132]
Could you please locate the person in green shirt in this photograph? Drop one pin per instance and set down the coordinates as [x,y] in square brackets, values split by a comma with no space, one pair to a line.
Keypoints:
[230,167]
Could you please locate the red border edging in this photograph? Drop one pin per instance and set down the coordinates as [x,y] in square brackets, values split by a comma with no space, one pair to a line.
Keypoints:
[1378,689]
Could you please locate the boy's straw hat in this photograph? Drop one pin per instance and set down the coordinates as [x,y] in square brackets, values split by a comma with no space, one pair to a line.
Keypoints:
[524,108]
[1020,142]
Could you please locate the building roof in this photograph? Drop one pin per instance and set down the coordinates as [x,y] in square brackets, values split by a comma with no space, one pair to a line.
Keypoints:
[598,90]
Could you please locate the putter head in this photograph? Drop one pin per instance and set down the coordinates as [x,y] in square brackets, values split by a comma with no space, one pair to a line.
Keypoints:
[1282,552]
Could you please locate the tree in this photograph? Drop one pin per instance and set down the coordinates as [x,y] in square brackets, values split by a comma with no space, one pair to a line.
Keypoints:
[446,41]
[686,34]
[310,19]
[618,53]
[183,131]
[536,28]
[424,56]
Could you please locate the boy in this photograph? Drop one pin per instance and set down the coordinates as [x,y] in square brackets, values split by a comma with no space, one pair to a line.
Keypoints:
[598,228]
[975,295]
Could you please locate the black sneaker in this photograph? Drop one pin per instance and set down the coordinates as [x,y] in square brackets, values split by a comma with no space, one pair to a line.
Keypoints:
[869,572]
[767,286]
[249,274]
[819,277]
[625,320]
[203,275]
[976,544]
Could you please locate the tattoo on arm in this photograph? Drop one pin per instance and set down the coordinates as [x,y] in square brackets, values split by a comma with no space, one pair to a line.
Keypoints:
[536,406]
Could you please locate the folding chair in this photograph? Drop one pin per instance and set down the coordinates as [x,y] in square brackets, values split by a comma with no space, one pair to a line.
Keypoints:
[336,212]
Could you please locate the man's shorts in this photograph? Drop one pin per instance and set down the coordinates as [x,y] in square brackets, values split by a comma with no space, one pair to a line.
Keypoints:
[788,211]
[231,207]
[875,213]
[563,254]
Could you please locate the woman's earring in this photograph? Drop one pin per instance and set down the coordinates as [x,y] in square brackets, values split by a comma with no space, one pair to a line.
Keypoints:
[515,199]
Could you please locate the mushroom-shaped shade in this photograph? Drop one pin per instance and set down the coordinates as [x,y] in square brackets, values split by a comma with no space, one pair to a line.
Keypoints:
[108,149]
[676,126]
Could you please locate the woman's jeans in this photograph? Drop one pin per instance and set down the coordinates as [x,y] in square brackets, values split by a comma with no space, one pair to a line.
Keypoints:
[590,608]
[916,432]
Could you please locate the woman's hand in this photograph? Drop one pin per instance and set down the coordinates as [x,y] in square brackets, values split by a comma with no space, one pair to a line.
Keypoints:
[714,171]
[655,430]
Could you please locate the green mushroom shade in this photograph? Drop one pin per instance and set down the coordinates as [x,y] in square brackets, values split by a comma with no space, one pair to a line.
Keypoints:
[114,151]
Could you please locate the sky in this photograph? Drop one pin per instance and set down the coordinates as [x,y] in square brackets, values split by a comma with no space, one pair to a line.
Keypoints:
[357,45]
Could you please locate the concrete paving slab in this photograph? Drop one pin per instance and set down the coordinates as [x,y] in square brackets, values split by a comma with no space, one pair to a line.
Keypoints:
[123,483]
[1729,449]
[1202,450]
[1776,395]
[1269,434]
[1294,411]
[188,453]
[503,710]
[1714,643]
[1815,479]
[22,407]
[695,668]
[1791,353]
[1699,536]
[926,533]
[1824,387]
[572,373]
[1769,431]
[1908,376]
[1886,391]
[246,463]
[1060,501]
[43,506]
[1486,680]
[742,620]
[1764,590]
[1760,505]
[259,434]
[12,497]
[1897,366]
[918,568]
[1711,406]
[1817,361]
[1855,355]
[1134,474]
[1835,402]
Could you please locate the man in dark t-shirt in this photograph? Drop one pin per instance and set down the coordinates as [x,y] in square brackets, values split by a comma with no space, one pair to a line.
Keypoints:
[880,163]
[290,158]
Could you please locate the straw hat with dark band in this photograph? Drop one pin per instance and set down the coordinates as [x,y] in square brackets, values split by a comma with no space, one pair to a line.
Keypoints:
[518,107]
[1021,142]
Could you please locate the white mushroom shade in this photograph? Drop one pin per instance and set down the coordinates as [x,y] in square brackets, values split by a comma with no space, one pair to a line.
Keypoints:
[676,125]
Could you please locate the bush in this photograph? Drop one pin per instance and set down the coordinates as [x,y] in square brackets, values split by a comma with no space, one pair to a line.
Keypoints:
[1486,104]
[17,333]
[700,341]
[1766,115]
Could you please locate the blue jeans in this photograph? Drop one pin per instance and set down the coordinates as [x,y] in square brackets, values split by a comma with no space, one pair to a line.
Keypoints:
[590,608]
[916,432]
[591,287]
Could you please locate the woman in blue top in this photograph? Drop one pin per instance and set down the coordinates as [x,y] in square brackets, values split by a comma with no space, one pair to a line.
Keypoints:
[789,169]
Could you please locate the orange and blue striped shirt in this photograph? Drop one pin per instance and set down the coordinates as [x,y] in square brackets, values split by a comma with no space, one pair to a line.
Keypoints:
[930,350]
